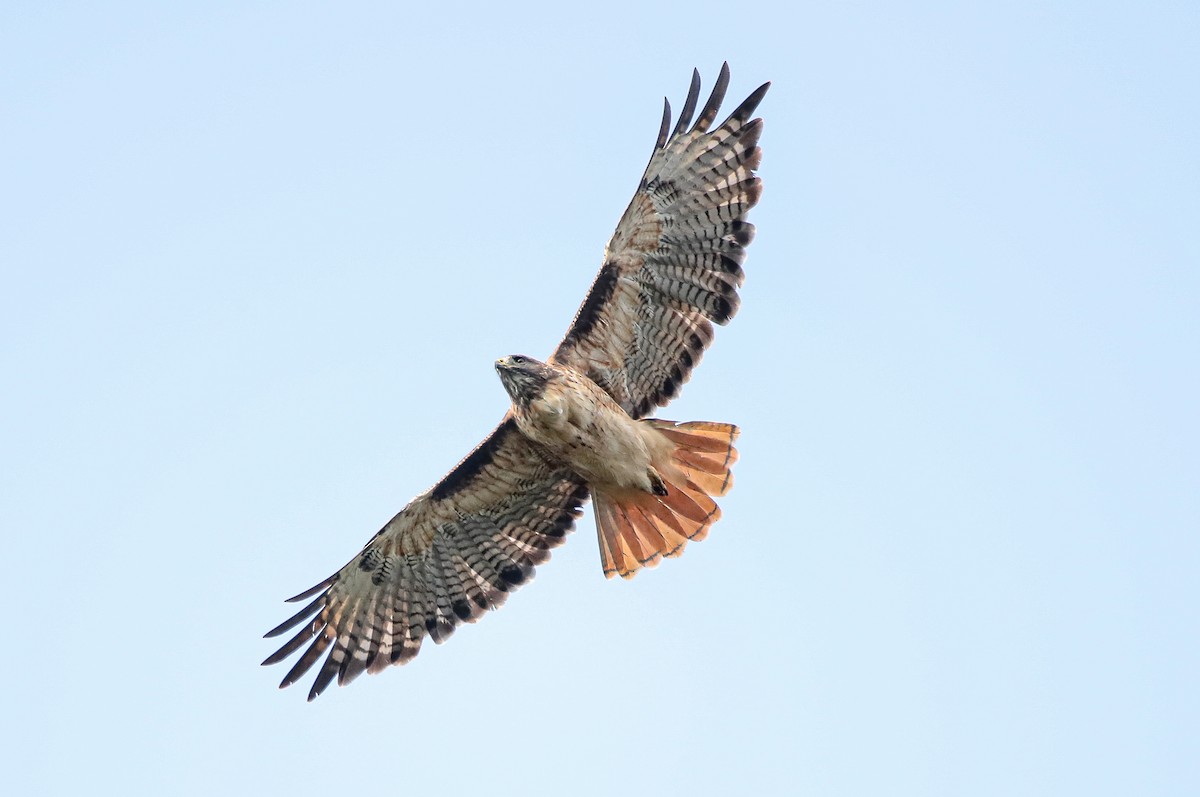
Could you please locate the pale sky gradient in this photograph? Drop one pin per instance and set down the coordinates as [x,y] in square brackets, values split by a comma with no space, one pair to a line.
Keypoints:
[258,259]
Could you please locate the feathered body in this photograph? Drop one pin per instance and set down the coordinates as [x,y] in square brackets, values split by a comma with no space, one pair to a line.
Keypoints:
[576,423]
[577,426]
[652,480]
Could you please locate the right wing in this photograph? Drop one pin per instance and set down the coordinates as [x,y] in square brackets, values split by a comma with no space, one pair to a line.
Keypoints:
[674,264]
[452,553]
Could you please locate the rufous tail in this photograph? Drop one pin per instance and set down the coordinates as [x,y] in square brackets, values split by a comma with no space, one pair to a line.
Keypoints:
[637,528]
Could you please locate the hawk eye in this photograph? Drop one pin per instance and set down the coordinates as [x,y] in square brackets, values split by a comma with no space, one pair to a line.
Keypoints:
[518,359]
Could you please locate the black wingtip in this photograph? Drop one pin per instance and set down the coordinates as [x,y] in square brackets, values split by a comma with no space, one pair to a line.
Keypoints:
[297,618]
[325,677]
[749,105]
[689,106]
[705,120]
[308,593]
[665,127]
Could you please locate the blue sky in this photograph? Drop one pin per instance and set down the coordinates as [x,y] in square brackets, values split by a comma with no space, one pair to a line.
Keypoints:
[258,260]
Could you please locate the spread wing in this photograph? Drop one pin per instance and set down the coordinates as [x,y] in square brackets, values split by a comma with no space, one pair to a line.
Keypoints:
[674,264]
[451,554]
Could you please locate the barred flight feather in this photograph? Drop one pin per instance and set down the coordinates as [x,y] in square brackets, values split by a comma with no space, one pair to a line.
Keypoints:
[439,563]
[675,259]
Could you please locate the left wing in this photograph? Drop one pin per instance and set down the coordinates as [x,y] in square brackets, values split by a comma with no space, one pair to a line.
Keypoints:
[451,554]
[674,263]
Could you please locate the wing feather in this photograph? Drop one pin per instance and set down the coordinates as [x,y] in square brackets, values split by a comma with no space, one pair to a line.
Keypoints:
[674,264]
[453,553]
[689,105]
[705,120]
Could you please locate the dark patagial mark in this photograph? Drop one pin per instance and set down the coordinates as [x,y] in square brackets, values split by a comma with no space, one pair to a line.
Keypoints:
[474,463]
[601,291]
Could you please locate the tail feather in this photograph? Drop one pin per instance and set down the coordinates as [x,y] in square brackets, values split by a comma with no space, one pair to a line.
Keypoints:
[711,475]
[630,540]
[669,526]
[613,552]
[708,463]
[699,435]
[604,520]
[692,504]
[638,529]
[654,543]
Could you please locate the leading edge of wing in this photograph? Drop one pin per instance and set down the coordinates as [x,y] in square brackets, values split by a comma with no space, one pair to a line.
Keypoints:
[675,257]
[602,286]
[447,558]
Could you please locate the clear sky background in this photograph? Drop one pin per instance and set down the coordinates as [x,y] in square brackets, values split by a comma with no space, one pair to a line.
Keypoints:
[258,259]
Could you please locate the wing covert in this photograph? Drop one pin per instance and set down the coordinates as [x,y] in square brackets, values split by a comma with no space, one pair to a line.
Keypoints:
[674,264]
[454,552]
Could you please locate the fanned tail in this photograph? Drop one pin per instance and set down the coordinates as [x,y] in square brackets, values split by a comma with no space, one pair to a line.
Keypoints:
[638,529]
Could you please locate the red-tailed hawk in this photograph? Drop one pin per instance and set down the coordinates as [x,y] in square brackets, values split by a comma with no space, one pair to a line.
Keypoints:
[576,425]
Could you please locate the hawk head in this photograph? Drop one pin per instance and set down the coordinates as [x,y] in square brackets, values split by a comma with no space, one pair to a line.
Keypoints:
[524,377]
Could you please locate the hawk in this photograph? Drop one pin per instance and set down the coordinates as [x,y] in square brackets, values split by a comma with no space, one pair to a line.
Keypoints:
[577,426]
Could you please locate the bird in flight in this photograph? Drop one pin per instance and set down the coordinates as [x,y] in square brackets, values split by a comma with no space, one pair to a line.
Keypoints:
[577,426]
